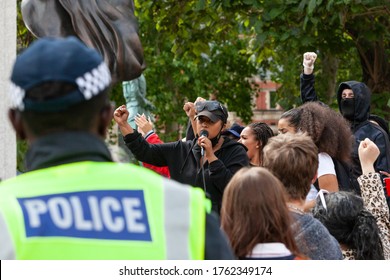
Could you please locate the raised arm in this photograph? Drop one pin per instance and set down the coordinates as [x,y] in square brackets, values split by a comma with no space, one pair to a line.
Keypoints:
[120,116]
[372,192]
[189,108]
[307,79]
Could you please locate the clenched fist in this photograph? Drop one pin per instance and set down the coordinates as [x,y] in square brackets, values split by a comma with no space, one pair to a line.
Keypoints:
[308,62]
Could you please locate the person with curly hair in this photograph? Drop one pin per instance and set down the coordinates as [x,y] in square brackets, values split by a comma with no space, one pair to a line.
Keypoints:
[360,224]
[254,137]
[332,136]
[256,218]
[354,101]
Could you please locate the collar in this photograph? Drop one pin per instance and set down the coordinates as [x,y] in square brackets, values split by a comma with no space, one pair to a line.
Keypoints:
[66,147]
[270,250]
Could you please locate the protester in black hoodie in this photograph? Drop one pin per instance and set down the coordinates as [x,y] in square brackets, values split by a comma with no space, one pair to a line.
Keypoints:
[354,99]
[222,156]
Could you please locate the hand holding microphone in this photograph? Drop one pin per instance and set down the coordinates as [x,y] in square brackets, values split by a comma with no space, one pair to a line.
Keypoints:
[203,133]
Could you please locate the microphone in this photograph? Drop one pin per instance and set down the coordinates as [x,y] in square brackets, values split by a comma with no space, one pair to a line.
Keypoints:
[204,133]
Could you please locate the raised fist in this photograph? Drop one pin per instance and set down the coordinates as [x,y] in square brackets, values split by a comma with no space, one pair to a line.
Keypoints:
[308,62]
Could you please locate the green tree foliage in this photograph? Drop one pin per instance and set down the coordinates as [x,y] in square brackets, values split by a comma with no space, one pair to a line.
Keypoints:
[185,60]
[211,47]
[350,37]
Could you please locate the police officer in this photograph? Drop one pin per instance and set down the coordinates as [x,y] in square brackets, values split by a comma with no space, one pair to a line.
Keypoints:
[75,202]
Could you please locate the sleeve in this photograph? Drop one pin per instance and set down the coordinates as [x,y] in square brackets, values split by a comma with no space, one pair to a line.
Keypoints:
[383,161]
[155,154]
[217,246]
[375,202]
[307,89]
[325,165]
[190,135]
[153,138]
[163,170]
[222,170]
[314,240]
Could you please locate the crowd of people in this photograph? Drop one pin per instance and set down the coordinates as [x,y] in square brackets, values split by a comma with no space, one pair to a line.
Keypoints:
[312,191]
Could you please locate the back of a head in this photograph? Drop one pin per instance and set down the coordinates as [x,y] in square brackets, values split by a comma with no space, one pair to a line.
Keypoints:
[234,131]
[262,132]
[293,116]
[254,211]
[293,159]
[59,84]
[328,129]
[350,223]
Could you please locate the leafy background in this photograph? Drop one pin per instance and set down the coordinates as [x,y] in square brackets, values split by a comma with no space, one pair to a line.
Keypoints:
[210,48]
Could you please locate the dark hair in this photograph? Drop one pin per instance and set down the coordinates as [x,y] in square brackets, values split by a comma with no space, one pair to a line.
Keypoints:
[293,159]
[262,133]
[293,116]
[351,224]
[329,130]
[79,117]
[254,210]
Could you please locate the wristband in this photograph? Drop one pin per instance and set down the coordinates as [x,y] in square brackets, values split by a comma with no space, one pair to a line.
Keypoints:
[148,134]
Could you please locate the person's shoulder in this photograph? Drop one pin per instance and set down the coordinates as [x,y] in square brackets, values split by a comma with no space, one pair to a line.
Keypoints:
[217,245]
[324,157]
[312,230]
[371,130]
[376,128]
[317,230]
[178,144]
[308,223]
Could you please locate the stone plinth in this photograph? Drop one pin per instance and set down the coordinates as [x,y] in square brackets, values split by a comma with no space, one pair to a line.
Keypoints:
[7,57]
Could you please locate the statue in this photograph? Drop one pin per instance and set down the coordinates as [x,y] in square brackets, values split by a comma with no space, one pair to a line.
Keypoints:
[134,92]
[108,26]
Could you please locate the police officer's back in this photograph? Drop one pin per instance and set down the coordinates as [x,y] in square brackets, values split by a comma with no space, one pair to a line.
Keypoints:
[74,202]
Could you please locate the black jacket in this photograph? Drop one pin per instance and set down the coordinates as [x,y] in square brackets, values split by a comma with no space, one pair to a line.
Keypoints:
[183,161]
[62,148]
[361,126]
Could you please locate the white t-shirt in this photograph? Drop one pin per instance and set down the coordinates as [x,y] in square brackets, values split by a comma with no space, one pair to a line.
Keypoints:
[325,165]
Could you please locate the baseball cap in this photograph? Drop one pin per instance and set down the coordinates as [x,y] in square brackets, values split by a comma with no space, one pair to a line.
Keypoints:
[65,60]
[212,109]
[235,130]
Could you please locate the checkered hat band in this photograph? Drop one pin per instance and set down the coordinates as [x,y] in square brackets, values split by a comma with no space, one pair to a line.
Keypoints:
[90,84]
[95,81]
[16,95]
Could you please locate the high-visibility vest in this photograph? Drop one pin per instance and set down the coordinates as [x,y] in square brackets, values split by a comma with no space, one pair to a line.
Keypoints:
[96,210]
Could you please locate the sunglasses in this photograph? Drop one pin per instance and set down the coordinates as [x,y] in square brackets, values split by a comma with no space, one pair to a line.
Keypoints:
[210,106]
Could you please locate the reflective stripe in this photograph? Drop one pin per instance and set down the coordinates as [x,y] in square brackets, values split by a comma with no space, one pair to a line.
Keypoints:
[177,220]
[175,214]
[7,251]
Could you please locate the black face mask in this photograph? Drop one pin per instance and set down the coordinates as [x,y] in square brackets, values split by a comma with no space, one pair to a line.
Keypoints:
[347,107]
